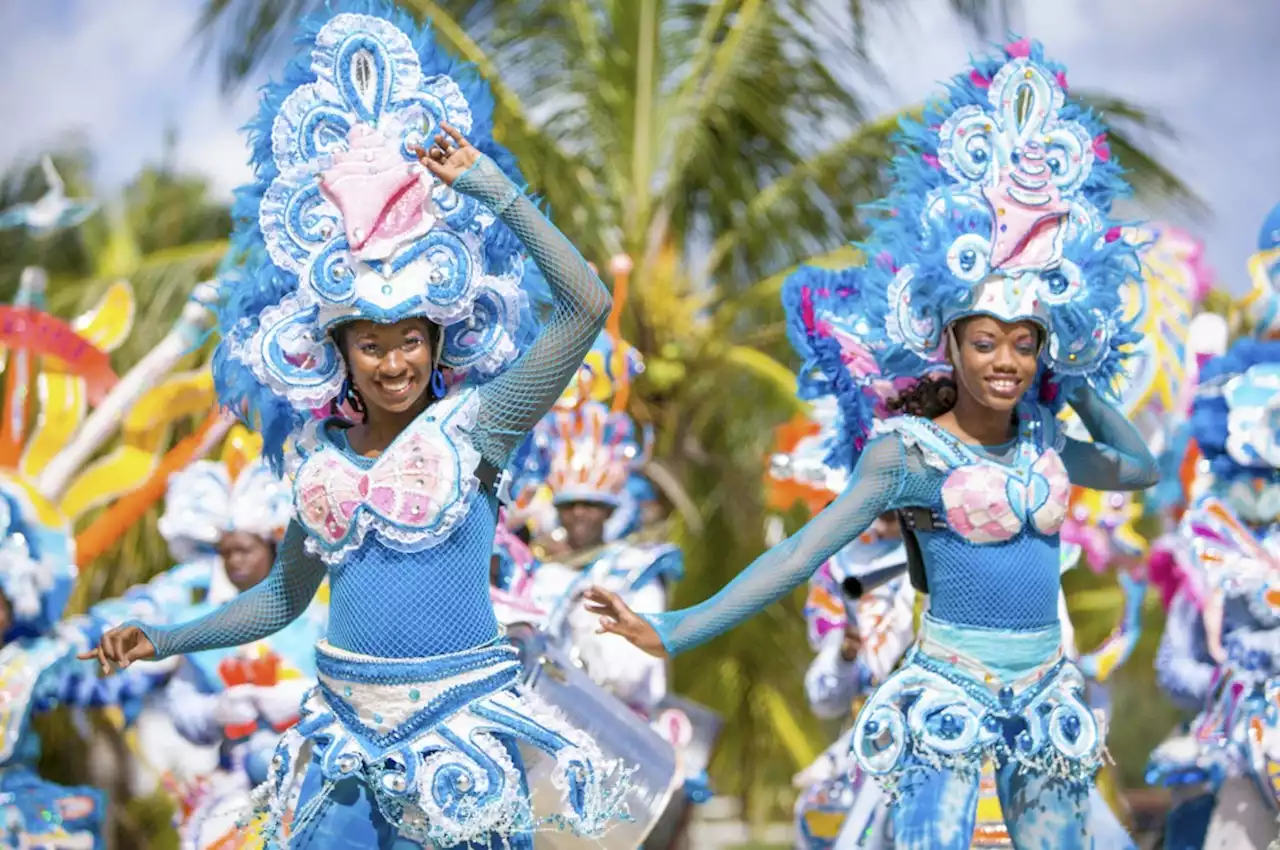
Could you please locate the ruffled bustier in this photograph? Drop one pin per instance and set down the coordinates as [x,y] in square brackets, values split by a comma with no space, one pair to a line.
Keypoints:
[411,497]
[1010,509]
[989,501]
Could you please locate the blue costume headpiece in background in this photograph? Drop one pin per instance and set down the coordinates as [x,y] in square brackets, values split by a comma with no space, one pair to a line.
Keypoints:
[1000,206]
[343,222]
[1235,418]
[37,560]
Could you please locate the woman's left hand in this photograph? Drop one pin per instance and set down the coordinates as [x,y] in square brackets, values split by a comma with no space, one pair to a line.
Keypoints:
[450,156]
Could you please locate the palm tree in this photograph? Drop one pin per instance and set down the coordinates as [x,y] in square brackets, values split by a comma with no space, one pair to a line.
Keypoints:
[697,138]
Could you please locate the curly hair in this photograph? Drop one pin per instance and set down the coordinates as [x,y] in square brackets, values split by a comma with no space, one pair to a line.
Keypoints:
[931,397]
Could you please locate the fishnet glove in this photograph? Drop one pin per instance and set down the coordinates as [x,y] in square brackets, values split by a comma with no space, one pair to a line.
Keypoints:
[1117,459]
[876,485]
[255,614]
[512,403]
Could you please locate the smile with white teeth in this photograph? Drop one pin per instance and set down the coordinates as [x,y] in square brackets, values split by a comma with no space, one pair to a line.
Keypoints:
[1003,386]
[400,386]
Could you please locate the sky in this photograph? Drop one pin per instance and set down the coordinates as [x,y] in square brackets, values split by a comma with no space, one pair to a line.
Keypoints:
[121,72]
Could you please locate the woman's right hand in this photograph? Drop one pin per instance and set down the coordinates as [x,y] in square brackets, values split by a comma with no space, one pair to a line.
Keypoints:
[616,617]
[121,647]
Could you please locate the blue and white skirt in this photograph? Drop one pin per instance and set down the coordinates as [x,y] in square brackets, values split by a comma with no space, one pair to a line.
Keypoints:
[433,739]
[966,695]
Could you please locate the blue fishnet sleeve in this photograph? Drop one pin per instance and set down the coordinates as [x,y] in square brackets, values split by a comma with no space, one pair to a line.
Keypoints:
[1182,669]
[255,614]
[876,486]
[513,402]
[1117,459]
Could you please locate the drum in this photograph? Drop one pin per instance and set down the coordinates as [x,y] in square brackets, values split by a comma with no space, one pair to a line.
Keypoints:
[618,733]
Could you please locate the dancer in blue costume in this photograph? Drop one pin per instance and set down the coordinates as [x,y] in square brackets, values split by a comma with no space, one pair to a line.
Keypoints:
[390,277]
[992,295]
[38,670]
[1221,650]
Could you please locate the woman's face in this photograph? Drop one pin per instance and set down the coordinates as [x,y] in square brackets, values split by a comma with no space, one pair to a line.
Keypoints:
[390,364]
[996,362]
[246,557]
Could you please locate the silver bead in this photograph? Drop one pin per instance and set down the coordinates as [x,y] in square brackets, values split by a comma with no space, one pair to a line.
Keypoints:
[394,782]
[463,782]
[347,763]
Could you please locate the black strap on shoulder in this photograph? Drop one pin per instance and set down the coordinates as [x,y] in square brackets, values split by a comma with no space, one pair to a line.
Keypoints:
[490,477]
[909,520]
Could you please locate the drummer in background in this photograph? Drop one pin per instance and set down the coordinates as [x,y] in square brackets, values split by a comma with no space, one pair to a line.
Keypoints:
[591,455]
[858,637]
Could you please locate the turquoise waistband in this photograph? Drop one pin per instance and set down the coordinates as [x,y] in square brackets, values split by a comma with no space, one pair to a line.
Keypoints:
[1005,653]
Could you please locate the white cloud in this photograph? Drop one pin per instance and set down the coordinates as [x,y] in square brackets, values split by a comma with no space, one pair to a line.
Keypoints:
[118,73]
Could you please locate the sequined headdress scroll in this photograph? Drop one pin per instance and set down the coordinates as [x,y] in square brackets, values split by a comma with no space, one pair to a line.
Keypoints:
[1000,206]
[342,222]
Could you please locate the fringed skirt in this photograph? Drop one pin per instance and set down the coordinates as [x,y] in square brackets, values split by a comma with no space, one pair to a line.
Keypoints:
[966,696]
[430,750]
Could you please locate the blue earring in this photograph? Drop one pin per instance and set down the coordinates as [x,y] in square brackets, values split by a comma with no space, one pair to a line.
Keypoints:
[437,383]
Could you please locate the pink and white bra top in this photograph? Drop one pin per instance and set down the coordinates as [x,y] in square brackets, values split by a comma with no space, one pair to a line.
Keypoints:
[412,496]
[985,500]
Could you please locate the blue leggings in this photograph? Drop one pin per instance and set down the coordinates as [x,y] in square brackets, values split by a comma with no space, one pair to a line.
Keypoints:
[937,810]
[350,819]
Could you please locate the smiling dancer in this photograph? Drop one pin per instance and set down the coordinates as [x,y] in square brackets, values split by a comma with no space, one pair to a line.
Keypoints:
[993,295]
[382,274]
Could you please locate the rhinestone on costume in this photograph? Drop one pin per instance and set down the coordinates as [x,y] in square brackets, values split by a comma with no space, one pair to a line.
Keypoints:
[414,694]
[1071,727]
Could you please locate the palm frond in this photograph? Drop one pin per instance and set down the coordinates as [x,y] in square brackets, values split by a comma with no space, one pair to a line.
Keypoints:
[1130,132]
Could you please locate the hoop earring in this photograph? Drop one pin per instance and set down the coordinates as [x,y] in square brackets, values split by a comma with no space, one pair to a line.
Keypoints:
[438,389]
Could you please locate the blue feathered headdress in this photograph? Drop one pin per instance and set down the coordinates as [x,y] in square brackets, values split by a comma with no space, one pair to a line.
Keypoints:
[1000,206]
[342,222]
[1264,273]
[1235,420]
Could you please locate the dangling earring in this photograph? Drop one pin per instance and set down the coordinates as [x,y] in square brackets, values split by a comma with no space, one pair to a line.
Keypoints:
[438,388]
[352,397]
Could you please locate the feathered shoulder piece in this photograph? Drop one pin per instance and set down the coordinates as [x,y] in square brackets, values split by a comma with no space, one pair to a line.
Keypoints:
[1000,206]
[342,222]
